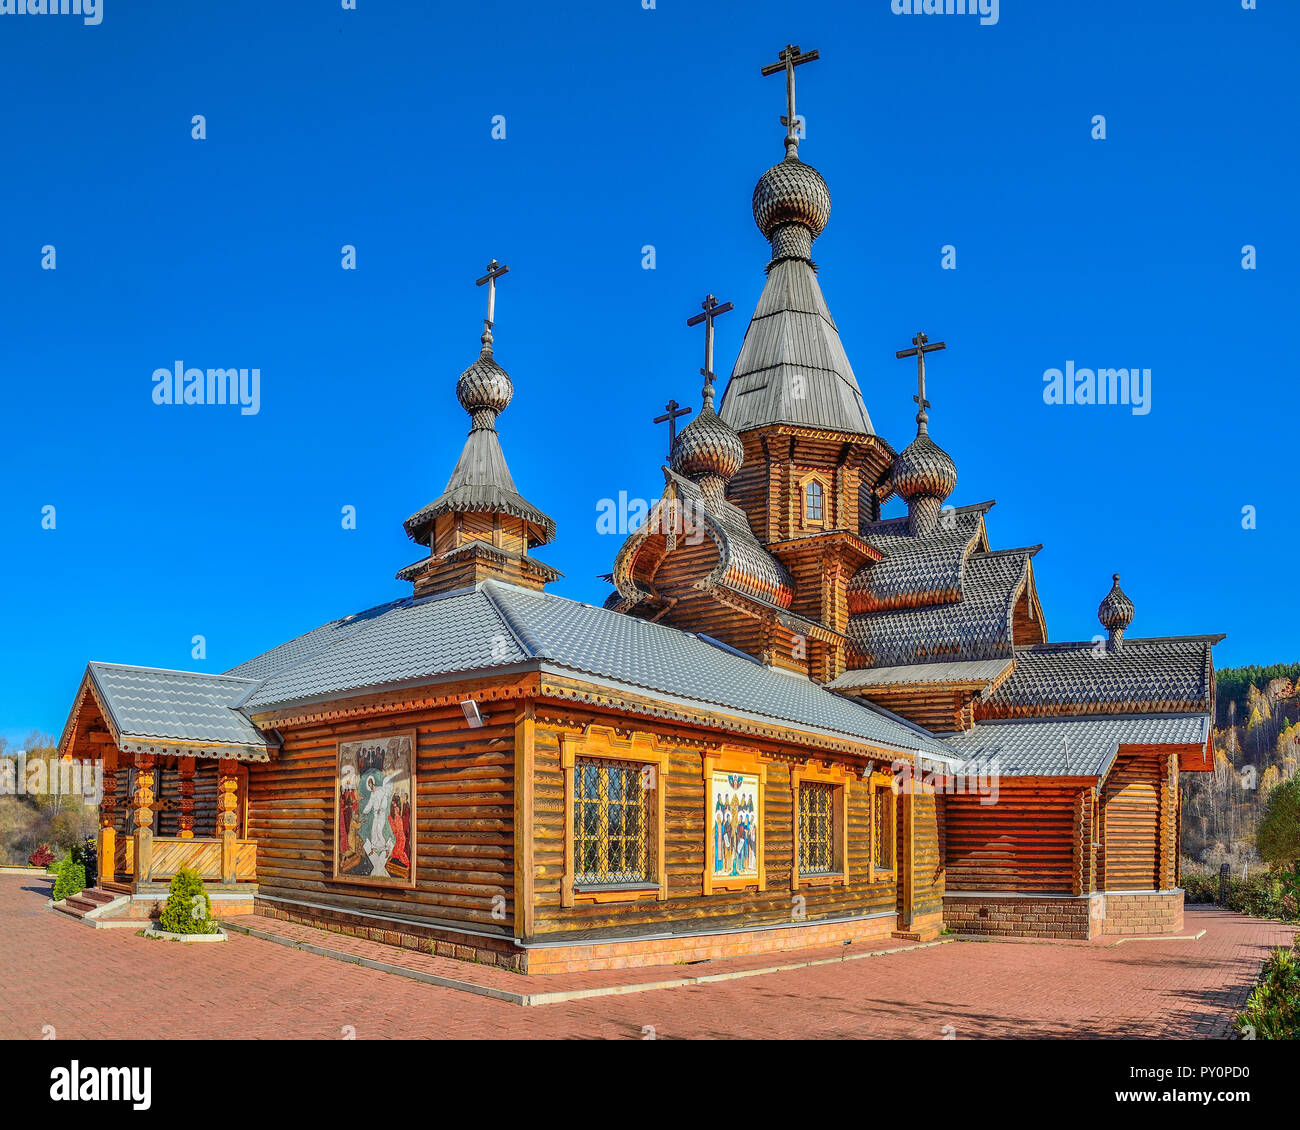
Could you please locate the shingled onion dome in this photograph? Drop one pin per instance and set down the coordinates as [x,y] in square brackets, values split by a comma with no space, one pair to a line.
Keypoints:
[1116,613]
[481,483]
[485,389]
[791,207]
[707,451]
[923,476]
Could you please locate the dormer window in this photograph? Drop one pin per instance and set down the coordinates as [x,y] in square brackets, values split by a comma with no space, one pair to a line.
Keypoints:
[813,502]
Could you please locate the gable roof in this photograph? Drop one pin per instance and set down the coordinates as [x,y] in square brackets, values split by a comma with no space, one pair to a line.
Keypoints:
[792,368]
[151,710]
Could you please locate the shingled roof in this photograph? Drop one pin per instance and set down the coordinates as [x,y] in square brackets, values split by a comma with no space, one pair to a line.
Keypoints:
[915,571]
[1169,674]
[978,626]
[743,564]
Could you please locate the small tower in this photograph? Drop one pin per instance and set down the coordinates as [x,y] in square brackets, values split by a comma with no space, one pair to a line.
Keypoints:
[1116,613]
[923,474]
[480,527]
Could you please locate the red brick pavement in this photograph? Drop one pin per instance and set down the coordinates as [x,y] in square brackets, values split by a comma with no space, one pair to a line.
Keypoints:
[88,983]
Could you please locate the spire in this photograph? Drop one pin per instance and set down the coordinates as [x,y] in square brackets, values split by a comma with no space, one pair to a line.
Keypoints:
[792,368]
[707,451]
[923,474]
[481,506]
[1116,613]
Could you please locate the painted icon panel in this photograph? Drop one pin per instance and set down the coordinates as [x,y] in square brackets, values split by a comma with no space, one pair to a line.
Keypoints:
[733,829]
[374,811]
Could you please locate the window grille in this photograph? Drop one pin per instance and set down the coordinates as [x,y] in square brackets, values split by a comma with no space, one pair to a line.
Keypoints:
[609,823]
[882,816]
[816,828]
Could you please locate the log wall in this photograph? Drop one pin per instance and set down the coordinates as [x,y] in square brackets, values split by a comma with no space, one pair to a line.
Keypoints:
[1027,842]
[464,819]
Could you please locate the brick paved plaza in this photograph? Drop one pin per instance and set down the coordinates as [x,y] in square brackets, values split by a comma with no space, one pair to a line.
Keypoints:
[87,983]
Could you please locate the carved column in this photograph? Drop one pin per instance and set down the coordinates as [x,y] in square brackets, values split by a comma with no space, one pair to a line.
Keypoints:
[107,842]
[186,769]
[144,798]
[227,803]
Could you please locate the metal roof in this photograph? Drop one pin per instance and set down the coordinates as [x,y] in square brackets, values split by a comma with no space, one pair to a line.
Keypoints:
[497,625]
[146,707]
[792,368]
[1071,747]
[922,674]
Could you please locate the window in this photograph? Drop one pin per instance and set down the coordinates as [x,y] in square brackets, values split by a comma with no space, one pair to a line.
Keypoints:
[609,819]
[613,816]
[816,828]
[813,507]
[883,829]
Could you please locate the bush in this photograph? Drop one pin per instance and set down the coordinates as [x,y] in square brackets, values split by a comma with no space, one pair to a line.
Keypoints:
[1273,1008]
[43,856]
[1264,895]
[71,879]
[188,909]
[1200,888]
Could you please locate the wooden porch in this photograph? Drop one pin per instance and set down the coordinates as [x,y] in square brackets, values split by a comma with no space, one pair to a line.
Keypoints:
[137,859]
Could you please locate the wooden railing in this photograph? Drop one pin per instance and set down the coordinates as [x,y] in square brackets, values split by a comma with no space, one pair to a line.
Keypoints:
[171,853]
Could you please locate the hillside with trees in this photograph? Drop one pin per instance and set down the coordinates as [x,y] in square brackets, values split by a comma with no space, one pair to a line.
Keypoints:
[1256,747]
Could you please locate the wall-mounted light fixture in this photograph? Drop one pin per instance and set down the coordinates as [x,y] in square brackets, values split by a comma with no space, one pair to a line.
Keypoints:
[473,715]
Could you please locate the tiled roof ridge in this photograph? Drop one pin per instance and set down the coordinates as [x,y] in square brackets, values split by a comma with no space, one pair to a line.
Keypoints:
[364,620]
[1028,550]
[170,671]
[1096,716]
[1065,645]
[527,642]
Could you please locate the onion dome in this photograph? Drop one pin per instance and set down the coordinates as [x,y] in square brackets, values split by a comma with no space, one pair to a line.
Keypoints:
[1116,612]
[484,389]
[791,192]
[707,451]
[923,476]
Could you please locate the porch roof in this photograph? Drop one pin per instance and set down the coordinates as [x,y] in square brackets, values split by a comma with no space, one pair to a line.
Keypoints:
[177,713]
[1078,746]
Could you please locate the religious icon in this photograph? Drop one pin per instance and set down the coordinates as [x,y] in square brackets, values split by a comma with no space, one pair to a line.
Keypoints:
[734,825]
[374,792]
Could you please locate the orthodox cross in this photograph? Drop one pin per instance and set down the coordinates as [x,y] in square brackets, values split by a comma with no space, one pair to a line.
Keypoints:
[673,413]
[494,271]
[921,345]
[787,60]
[711,310]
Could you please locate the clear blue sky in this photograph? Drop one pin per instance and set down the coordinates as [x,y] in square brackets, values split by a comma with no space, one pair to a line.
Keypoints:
[624,127]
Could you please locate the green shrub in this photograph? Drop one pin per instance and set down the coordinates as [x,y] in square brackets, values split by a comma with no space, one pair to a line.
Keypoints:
[1200,888]
[188,909]
[1273,1008]
[71,879]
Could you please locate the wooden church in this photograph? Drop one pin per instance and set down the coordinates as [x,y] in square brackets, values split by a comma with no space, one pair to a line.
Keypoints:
[793,722]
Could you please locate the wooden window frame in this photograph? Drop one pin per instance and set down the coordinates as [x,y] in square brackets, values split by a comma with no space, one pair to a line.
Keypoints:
[735,761]
[647,749]
[841,776]
[881,783]
[803,482]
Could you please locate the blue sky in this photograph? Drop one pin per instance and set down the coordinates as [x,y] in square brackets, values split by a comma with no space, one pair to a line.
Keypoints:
[624,127]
